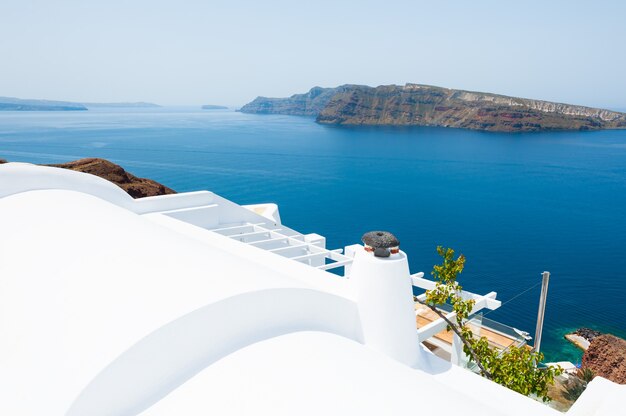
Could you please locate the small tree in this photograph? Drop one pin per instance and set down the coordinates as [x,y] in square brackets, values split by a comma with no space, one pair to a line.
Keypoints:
[515,367]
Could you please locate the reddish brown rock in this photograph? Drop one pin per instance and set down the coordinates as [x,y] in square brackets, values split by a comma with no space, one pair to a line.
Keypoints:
[2,161]
[606,357]
[134,186]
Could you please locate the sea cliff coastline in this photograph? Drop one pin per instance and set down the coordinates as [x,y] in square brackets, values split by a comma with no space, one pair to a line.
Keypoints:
[20,104]
[425,105]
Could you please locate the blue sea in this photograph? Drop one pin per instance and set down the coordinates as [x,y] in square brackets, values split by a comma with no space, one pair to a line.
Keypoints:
[514,204]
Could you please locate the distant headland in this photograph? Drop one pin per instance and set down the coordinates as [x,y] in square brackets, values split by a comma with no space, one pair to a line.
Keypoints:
[424,105]
[214,107]
[19,104]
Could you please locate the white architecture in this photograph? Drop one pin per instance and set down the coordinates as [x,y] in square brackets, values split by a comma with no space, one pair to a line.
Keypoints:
[190,305]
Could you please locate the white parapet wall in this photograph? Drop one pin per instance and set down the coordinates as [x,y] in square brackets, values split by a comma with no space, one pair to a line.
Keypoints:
[202,208]
[269,211]
[24,177]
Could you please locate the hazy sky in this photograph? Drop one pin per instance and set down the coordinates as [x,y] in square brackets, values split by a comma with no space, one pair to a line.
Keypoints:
[228,52]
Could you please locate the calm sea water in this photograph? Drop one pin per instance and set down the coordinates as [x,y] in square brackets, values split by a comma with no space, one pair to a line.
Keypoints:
[514,204]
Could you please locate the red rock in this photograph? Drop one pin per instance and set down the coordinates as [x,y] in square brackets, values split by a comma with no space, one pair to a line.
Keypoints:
[606,357]
[134,186]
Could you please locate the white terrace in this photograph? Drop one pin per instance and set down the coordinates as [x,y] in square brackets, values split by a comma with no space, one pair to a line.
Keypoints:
[191,304]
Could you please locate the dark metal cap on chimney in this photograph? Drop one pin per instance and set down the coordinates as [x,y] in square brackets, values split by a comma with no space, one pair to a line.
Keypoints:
[381,243]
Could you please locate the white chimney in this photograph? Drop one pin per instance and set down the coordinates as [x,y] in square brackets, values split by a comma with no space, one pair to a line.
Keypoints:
[380,272]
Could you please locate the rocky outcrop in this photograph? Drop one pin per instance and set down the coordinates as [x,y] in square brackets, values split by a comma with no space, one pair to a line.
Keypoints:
[606,357]
[424,105]
[587,333]
[582,337]
[134,186]
[307,104]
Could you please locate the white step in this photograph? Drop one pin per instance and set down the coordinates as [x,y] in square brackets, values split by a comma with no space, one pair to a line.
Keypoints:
[335,264]
[204,216]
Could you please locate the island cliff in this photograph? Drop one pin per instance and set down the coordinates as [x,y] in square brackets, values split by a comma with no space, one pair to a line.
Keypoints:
[307,104]
[423,105]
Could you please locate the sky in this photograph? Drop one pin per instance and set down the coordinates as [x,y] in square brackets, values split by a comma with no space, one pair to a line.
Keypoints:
[192,52]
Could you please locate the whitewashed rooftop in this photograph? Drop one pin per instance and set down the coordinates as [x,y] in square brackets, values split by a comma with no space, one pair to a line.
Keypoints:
[111,306]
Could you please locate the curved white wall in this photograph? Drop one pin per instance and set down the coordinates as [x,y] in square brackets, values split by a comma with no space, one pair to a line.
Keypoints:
[85,282]
[24,177]
[172,354]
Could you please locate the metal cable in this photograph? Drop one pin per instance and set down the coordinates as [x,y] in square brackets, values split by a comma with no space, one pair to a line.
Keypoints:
[514,297]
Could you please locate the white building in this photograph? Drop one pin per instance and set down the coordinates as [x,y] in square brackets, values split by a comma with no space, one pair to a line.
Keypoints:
[115,306]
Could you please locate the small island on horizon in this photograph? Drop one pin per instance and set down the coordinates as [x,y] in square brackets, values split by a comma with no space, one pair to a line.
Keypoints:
[425,105]
[213,107]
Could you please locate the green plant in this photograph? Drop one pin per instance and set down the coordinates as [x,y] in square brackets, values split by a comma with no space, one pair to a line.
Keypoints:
[516,367]
[585,374]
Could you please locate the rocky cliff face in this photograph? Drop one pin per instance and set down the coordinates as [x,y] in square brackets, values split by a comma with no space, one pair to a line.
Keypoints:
[433,106]
[307,104]
[134,186]
[423,105]
[606,357]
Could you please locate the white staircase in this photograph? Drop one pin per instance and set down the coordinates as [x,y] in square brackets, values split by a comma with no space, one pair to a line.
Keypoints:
[308,249]
[244,224]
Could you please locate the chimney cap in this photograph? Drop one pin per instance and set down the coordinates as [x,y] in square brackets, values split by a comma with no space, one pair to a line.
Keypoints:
[382,243]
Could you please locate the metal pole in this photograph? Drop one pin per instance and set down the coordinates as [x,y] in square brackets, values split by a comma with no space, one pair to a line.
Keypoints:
[542,309]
